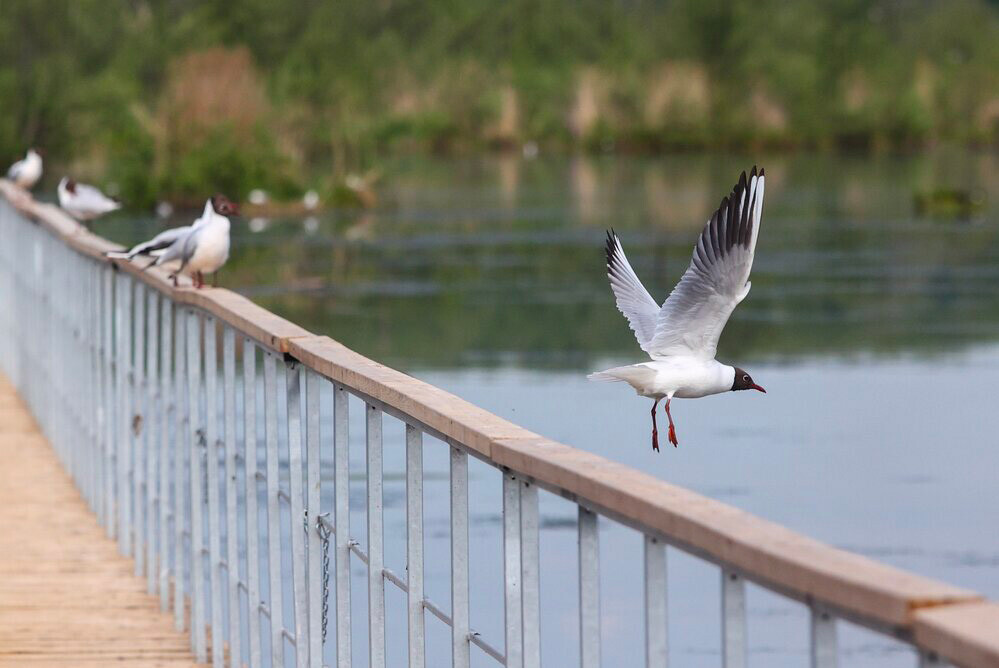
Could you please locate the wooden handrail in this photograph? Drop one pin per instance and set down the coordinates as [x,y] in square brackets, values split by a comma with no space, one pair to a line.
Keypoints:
[955,622]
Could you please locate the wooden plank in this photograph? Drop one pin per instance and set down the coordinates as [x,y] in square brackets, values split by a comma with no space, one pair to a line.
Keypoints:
[67,597]
[966,634]
[452,416]
[761,550]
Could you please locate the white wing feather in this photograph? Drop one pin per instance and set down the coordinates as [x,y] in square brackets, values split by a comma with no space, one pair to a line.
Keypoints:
[632,299]
[693,317]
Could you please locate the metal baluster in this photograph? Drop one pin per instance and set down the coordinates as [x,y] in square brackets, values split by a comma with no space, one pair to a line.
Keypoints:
[656,634]
[138,417]
[110,403]
[273,508]
[733,620]
[460,647]
[341,510]
[155,424]
[123,349]
[212,443]
[376,580]
[231,500]
[293,386]
[170,426]
[252,489]
[512,572]
[196,434]
[825,653]
[181,445]
[589,590]
[414,546]
[530,560]
[313,515]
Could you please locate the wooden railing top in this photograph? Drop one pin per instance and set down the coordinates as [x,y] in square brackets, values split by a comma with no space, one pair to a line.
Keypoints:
[954,621]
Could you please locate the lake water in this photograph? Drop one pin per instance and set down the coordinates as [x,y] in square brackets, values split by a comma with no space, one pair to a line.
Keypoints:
[875,332]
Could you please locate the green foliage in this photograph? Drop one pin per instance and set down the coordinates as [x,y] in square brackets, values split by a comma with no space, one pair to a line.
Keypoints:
[344,81]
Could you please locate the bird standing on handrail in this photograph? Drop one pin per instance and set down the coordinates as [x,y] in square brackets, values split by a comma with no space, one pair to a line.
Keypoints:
[84,202]
[681,336]
[26,172]
[201,248]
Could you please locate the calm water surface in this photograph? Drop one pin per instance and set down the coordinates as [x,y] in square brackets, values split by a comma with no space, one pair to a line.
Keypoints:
[875,332]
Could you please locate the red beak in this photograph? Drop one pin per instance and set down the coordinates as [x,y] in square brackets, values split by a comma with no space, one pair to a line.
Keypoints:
[757,387]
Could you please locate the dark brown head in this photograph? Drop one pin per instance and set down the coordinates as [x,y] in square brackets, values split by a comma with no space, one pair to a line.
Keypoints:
[743,381]
[71,186]
[223,206]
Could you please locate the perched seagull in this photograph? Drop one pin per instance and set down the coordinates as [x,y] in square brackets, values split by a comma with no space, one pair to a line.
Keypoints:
[681,336]
[26,172]
[84,202]
[205,248]
[170,245]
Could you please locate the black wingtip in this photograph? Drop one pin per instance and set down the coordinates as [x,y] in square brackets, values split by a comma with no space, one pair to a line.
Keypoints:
[610,248]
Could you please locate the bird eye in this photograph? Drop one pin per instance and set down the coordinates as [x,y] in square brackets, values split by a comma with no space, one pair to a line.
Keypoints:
[746,377]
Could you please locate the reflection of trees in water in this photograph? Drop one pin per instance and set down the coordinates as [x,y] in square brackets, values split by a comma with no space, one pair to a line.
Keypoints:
[459,265]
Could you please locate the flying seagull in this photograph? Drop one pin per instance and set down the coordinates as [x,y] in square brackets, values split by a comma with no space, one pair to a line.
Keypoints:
[200,248]
[27,171]
[681,336]
[84,202]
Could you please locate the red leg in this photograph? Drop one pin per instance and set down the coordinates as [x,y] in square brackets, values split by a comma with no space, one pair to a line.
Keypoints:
[672,431]
[199,280]
[655,432]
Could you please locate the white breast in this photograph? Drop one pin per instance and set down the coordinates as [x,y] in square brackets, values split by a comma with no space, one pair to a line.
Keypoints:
[690,378]
[212,250]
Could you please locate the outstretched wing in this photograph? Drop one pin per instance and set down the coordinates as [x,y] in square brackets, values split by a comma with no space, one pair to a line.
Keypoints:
[694,315]
[633,300]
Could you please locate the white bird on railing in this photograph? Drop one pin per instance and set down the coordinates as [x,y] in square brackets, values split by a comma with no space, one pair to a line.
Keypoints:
[205,248]
[84,202]
[200,248]
[681,336]
[27,171]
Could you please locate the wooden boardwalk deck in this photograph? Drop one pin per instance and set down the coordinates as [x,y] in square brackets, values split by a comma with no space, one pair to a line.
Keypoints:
[67,598]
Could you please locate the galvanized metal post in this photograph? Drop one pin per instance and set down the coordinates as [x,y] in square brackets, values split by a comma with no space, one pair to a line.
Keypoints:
[155,425]
[376,579]
[181,446]
[733,620]
[512,572]
[414,546]
[460,646]
[231,495]
[276,603]
[123,349]
[250,454]
[341,510]
[825,653]
[293,386]
[589,589]
[171,423]
[138,425]
[212,448]
[313,492]
[197,440]
[530,568]
[656,629]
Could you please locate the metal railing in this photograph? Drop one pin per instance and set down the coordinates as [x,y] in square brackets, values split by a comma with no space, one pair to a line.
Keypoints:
[152,396]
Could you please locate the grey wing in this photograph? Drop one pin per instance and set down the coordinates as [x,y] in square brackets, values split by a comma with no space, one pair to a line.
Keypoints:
[14,169]
[632,299]
[90,198]
[693,317]
[161,241]
[181,249]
